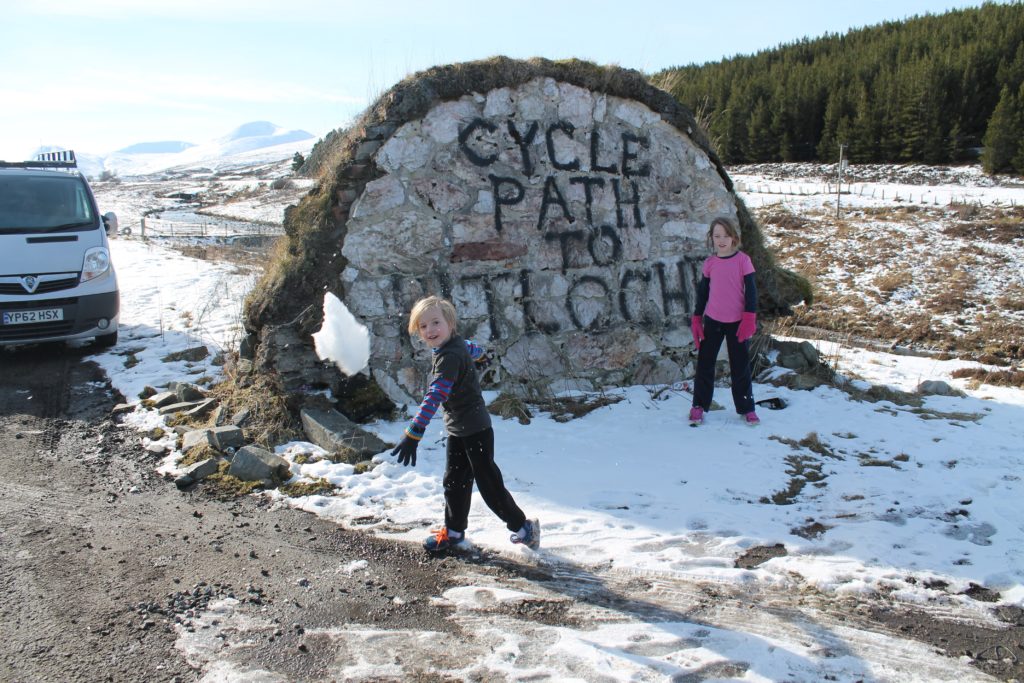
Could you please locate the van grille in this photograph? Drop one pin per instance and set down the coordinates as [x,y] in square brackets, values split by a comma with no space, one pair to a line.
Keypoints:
[43,288]
[18,332]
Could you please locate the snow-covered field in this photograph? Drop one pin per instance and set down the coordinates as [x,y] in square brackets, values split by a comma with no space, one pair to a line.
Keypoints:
[920,257]
[903,505]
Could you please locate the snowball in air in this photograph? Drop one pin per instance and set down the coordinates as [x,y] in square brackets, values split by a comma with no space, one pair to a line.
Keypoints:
[342,338]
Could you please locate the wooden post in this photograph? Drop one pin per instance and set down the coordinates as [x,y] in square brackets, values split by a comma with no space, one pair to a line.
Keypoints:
[839,182]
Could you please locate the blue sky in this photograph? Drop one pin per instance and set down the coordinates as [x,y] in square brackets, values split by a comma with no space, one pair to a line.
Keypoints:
[99,75]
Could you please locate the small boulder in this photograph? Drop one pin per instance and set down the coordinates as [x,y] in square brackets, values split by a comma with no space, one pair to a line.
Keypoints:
[194,438]
[240,418]
[223,438]
[201,408]
[188,392]
[164,398]
[197,471]
[252,463]
[937,387]
[334,432]
[810,352]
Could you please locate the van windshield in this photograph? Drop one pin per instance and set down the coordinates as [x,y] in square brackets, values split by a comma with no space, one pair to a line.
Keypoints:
[31,203]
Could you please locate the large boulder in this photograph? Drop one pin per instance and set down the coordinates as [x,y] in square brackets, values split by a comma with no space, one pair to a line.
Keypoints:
[562,206]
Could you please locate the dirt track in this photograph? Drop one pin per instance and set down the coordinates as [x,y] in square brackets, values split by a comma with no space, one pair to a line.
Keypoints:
[106,568]
[99,557]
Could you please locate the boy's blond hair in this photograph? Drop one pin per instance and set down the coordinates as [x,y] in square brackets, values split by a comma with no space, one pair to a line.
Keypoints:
[426,303]
[730,229]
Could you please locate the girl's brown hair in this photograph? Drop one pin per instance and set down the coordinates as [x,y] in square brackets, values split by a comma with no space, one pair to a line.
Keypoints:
[421,307]
[730,229]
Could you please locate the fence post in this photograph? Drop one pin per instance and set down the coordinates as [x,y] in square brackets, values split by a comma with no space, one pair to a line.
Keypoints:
[142,227]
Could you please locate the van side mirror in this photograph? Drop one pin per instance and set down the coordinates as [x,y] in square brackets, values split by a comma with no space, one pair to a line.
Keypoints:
[110,223]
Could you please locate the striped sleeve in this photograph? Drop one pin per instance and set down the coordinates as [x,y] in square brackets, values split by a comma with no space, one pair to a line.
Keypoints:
[437,394]
[475,351]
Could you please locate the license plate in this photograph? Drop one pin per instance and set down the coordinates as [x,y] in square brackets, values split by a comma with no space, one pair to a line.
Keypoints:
[43,315]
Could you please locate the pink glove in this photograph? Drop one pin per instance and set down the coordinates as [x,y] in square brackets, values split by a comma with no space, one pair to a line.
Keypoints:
[697,327]
[747,328]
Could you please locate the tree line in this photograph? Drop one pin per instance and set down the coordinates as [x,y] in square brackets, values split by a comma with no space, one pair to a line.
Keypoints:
[932,89]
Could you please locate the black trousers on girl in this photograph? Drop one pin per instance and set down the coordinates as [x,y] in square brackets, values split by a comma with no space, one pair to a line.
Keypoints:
[739,366]
[472,458]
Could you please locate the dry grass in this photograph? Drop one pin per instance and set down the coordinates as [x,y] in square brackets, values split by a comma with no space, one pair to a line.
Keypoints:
[1002,226]
[999,378]
[940,255]
[565,409]
[317,487]
[508,407]
[954,293]
[224,486]
[889,282]
[1013,299]
[271,421]
[248,256]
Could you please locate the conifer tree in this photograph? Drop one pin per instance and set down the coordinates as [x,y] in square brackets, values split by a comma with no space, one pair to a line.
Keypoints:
[924,89]
[1002,137]
[1018,159]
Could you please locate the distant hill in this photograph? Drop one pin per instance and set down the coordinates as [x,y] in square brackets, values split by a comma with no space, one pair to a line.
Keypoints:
[932,89]
[254,140]
[258,134]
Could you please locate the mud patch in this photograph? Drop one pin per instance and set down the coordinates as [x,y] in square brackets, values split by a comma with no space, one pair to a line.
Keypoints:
[547,612]
[758,555]
[995,651]
[810,531]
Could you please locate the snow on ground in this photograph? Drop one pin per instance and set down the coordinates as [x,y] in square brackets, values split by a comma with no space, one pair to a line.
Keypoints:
[919,505]
[934,260]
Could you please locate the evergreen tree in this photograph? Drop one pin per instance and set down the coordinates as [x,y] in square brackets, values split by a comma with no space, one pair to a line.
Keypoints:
[923,90]
[760,145]
[864,131]
[1002,137]
[1018,159]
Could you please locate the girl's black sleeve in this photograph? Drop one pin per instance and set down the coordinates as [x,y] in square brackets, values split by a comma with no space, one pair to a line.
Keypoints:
[749,293]
[703,290]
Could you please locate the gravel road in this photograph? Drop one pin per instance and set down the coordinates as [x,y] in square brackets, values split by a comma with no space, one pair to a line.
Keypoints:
[109,573]
[100,557]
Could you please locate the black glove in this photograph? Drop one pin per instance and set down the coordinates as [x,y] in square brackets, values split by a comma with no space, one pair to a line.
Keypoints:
[484,361]
[406,451]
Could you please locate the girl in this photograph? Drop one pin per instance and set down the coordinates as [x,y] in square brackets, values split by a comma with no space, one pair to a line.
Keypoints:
[726,309]
[470,448]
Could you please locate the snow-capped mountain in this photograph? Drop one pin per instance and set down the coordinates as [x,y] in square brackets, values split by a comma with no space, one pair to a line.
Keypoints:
[247,138]
[261,139]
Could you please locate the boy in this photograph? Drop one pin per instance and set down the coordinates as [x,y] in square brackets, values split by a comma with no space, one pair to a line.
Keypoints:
[470,448]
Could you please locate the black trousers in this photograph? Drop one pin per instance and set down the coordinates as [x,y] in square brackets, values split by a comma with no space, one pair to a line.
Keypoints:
[739,366]
[472,458]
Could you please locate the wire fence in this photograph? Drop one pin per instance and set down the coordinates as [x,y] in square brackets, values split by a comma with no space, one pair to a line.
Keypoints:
[882,193]
[223,229]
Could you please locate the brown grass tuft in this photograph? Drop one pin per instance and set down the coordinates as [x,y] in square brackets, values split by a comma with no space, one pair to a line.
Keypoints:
[999,378]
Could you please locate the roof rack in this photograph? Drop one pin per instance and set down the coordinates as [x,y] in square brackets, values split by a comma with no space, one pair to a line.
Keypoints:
[62,159]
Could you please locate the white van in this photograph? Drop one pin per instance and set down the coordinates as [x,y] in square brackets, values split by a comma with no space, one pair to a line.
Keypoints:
[57,282]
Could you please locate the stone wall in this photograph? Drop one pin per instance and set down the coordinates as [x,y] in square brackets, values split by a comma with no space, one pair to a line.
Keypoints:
[562,207]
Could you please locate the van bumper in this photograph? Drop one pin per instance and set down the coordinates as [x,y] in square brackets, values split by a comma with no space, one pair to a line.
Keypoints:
[83,318]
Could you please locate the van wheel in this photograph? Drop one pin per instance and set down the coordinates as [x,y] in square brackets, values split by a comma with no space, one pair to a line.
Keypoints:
[105,341]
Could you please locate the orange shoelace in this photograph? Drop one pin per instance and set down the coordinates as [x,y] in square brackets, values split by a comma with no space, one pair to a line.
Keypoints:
[440,535]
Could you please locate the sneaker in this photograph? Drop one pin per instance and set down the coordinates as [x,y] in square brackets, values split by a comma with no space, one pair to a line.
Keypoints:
[440,541]
[696,416]
[752,419]
[531,535]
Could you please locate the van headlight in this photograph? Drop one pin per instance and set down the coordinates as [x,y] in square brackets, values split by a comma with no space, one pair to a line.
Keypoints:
[96,263]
